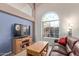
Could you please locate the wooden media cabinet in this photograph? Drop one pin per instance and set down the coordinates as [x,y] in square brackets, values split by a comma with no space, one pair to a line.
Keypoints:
[19,44]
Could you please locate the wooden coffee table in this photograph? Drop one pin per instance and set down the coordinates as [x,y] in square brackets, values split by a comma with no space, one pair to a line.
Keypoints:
[39,48]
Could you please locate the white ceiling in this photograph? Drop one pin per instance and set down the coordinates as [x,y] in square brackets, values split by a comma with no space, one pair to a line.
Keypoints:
[24,7]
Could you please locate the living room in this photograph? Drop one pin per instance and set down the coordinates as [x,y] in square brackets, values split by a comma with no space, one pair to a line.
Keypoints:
[35,27]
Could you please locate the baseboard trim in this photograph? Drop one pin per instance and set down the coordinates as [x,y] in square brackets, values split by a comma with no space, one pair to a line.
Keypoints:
[7,53]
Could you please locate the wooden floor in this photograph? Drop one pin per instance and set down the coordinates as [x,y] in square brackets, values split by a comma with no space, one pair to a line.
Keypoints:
[23,53]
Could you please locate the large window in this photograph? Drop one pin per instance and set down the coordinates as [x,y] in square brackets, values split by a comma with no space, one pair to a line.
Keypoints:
[50,25]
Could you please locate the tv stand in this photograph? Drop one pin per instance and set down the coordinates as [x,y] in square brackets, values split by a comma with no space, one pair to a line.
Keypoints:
[20,43]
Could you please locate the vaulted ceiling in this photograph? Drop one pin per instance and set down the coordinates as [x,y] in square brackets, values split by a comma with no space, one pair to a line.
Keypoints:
[23,7]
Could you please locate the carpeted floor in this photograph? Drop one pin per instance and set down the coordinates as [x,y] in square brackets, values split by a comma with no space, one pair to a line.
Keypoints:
[24,53]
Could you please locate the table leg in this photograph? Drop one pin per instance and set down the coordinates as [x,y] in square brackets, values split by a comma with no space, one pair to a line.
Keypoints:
[46,48]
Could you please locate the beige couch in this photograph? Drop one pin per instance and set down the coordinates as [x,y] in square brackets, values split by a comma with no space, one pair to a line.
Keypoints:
[71,48]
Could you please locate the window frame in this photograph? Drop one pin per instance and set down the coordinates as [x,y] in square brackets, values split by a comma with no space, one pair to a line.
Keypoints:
[42,23]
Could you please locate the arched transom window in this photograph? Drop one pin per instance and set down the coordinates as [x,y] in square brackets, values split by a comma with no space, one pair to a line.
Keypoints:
[50,25]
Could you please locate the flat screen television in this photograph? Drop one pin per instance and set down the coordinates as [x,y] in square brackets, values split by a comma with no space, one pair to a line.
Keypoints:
[20,30]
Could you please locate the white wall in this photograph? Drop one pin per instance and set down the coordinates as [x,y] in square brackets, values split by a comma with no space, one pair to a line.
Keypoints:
[68,13]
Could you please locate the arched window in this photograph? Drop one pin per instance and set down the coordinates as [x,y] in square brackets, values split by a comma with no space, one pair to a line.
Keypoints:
[50,25]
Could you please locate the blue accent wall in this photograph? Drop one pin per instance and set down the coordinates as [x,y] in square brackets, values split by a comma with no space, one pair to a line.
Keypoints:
[6,22]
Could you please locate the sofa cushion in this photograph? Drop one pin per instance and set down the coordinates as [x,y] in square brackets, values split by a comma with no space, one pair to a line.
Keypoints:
[59,49]
[54,53]
[76,49]
[57,44]
[71,41]
[71,54]
[68,49]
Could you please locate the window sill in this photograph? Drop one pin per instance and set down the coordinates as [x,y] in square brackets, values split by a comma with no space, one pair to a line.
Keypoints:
[50,38]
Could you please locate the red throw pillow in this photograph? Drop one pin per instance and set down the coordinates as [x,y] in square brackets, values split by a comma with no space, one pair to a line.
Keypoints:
[63,41]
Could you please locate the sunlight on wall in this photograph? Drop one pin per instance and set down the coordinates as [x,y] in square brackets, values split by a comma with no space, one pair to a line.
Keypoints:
[69,23]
